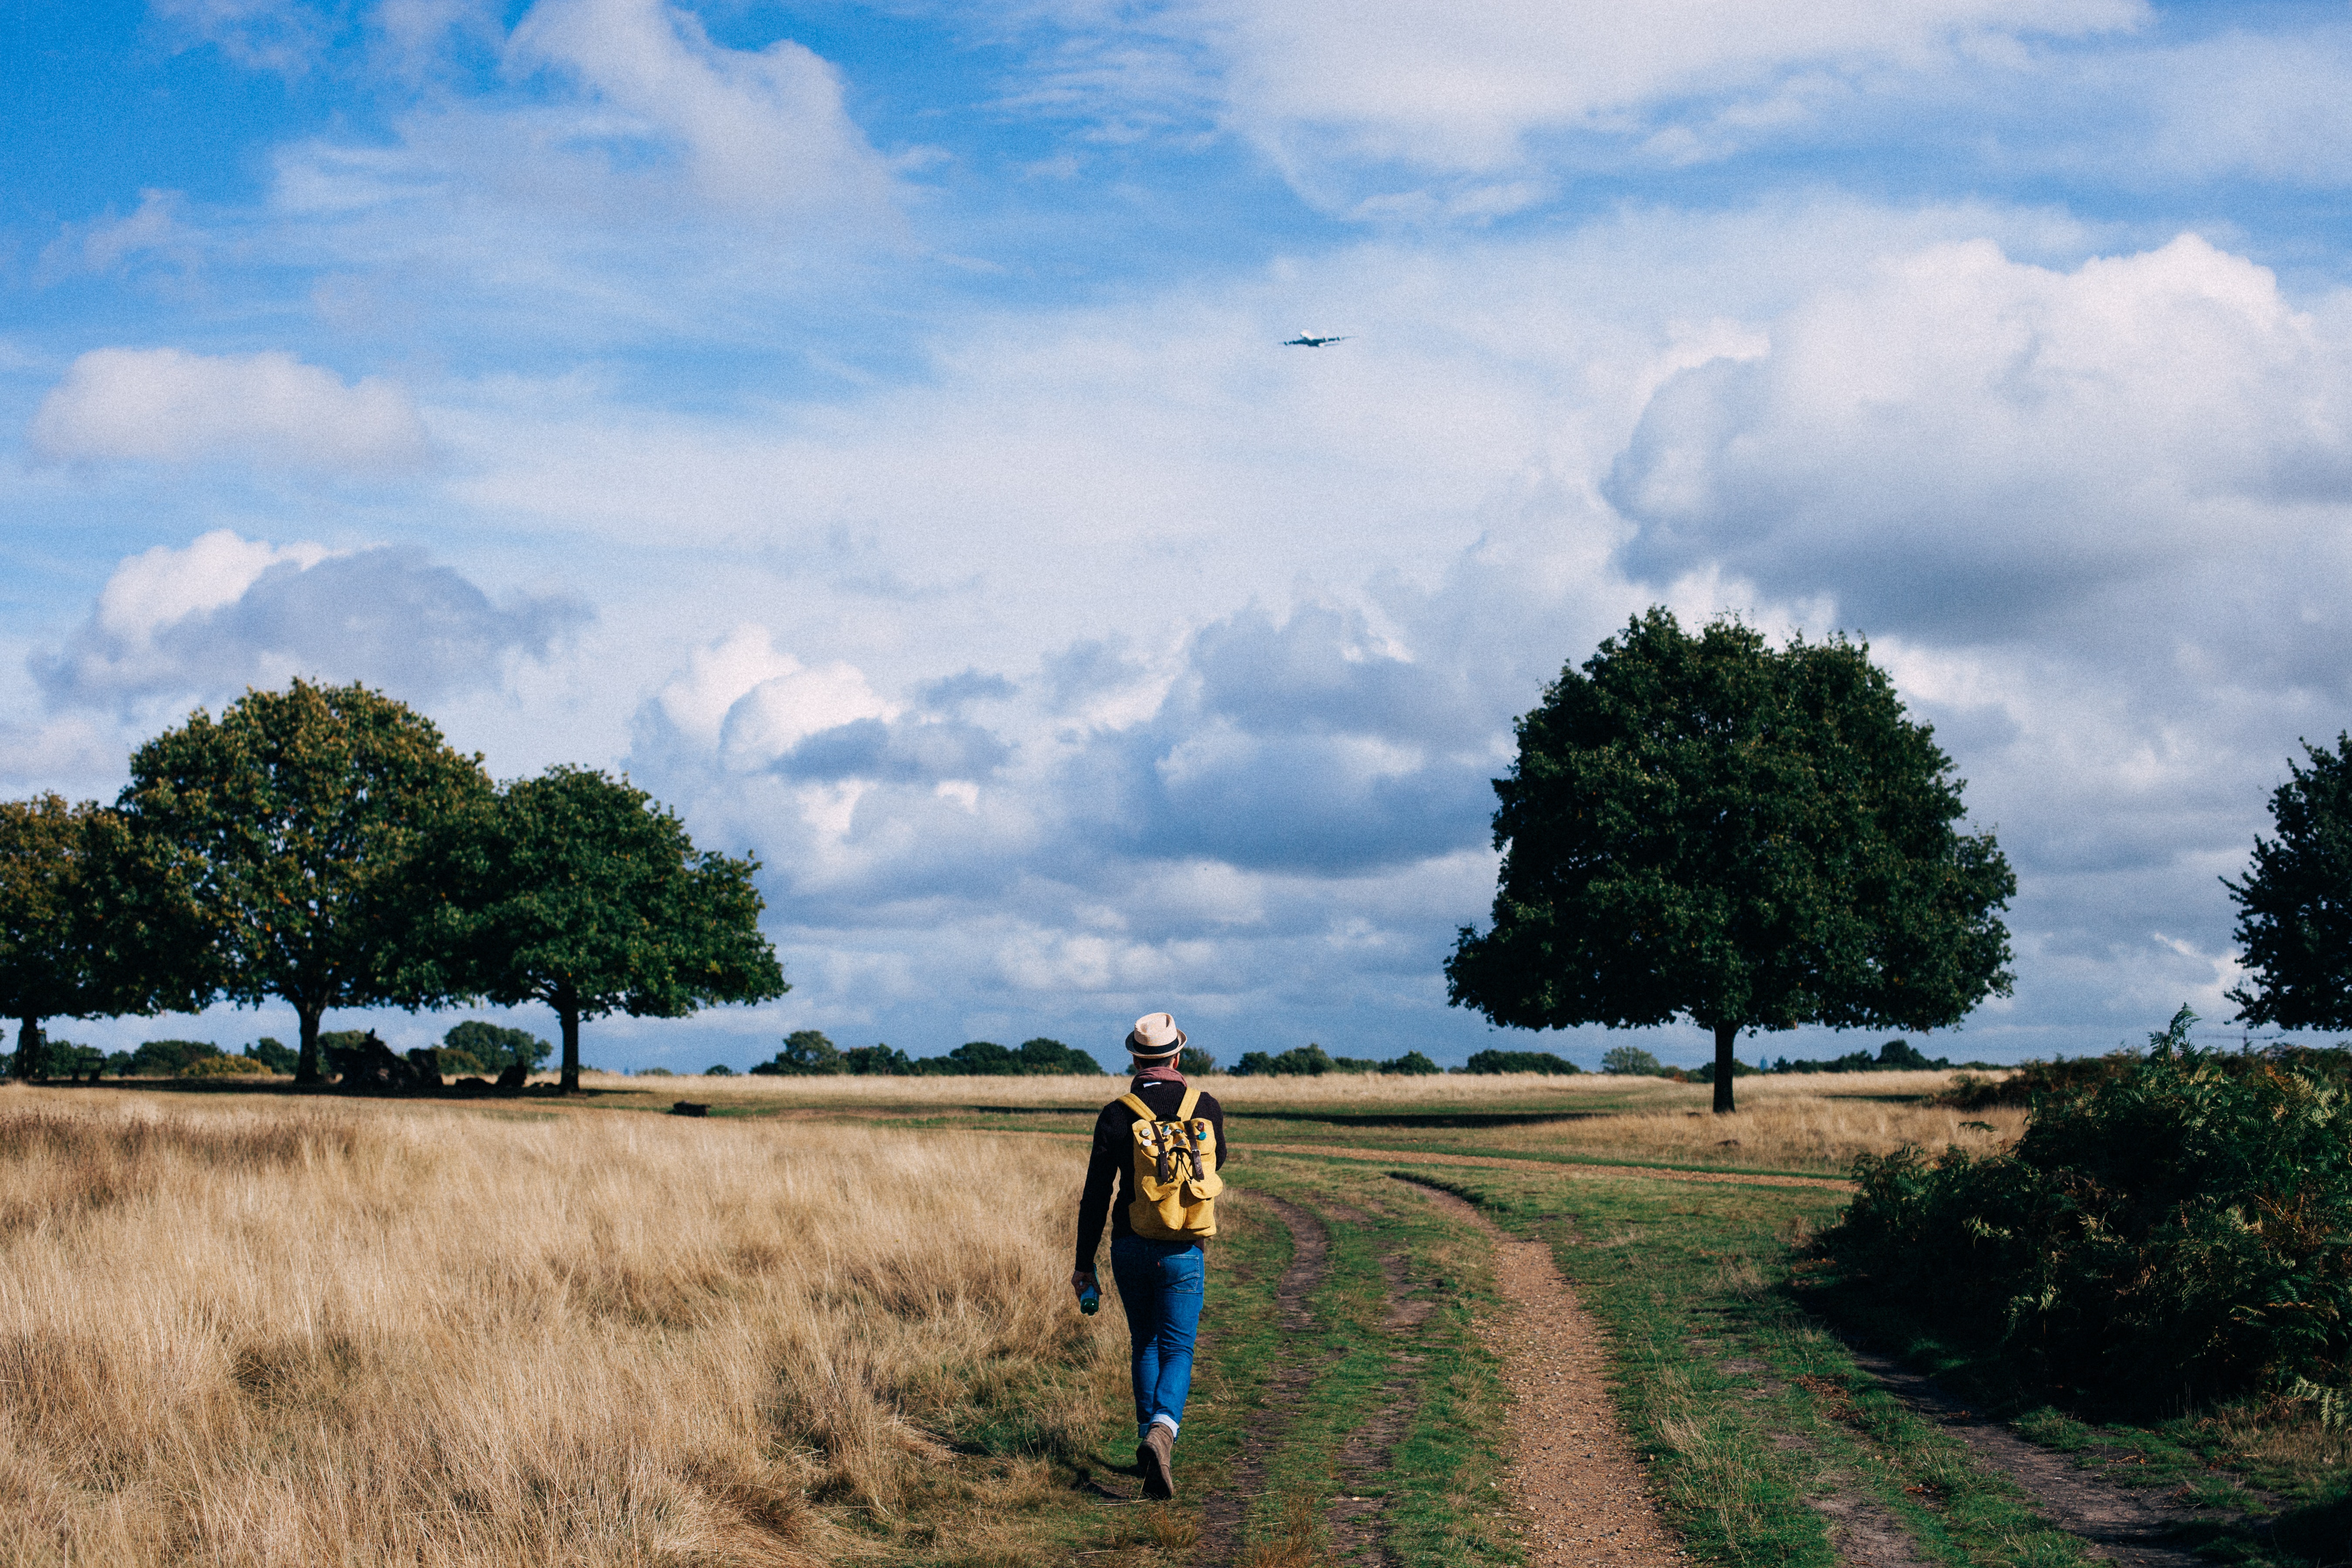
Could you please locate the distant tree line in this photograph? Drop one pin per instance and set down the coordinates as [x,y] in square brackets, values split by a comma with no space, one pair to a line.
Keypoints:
[473,1047]
[1312,1061]
[808,1054]
[325,847]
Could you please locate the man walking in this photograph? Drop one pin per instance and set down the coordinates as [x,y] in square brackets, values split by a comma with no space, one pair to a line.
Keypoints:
[1161,1144]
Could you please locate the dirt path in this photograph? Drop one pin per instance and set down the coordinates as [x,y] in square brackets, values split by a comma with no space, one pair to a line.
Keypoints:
[1573,1477]
[2122,1524]
[1221,1512]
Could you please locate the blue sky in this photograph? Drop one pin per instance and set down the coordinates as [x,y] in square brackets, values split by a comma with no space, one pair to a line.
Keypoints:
[868,427]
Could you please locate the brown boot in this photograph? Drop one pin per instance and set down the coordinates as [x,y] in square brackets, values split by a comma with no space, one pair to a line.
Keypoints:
[1157,1458]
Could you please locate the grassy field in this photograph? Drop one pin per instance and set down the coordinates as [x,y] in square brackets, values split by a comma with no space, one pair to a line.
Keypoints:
[1808,1123]
[830,1323]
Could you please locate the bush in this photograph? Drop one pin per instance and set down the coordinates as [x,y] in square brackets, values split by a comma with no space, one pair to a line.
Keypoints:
[1042,1056]
[1895,1056]
[1413,1064]
[1309,1060]
[1193,1062]
[720,1070]
[877,1061]
[2033,1083]
[168,1058]
[219,1065]
[271,1054]
[476,1046]
[807,1054]
[655,1072]
[1631,1061]
[2174,1223]
[1519,1061]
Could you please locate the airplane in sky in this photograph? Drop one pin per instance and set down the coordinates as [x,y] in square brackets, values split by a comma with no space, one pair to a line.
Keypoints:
[1308,340]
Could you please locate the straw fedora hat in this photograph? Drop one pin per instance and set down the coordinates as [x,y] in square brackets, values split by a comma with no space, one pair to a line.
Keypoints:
[1155,1034]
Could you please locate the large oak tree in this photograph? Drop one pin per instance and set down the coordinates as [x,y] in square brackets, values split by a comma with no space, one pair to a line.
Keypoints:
[1751,839]
[579,892]
[292,821]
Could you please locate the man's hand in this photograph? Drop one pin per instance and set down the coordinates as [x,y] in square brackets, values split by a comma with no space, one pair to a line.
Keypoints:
[1080,1279]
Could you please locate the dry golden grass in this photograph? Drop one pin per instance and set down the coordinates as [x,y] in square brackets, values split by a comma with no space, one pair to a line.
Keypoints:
[1813,1122]
[264,1333]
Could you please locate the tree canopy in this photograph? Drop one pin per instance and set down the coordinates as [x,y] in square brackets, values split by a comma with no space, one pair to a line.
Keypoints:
[2294,906]
[62,932]
[290,821]
[1751,839]
[577,890]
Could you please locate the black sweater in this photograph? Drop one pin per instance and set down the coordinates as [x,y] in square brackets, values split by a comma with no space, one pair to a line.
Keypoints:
[1113,1161]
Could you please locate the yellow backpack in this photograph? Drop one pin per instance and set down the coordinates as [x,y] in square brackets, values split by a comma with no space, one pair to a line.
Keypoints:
[1176,1180]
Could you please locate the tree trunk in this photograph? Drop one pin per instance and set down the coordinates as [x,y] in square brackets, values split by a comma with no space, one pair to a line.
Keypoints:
[306,1068]
[1724,1035]
[570,1014]
[28,1064]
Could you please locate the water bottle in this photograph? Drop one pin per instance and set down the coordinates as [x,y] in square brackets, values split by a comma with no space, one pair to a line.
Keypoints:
[1089,1298]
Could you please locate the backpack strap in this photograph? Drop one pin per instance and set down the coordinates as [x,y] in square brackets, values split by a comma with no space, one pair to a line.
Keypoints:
[1191,1098]
[1142,1111]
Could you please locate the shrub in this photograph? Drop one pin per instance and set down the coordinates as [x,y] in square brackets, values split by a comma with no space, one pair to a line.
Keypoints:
[1193,1062]
[1309,1060]
[225,1067]
[877,1061]
[476,1045]
[2033,1083]
[807,1054]
[271,1054]
[1412,1063]
[655,1072]
[168,1058]
[719,1069]
[2177,1222]
[1631,1061]
[1042,1056]
[1519,1061]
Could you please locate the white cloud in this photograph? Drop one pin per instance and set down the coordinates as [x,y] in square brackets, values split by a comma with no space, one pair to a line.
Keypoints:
[1961,436]
[745,700]
[762,130]
[157,227]
[1422,109]
[168,406]
[228,612]
[283,36]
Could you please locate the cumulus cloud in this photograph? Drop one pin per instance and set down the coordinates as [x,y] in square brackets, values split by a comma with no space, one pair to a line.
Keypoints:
[168,406]
[1963,440]
[743,699]
[226,612]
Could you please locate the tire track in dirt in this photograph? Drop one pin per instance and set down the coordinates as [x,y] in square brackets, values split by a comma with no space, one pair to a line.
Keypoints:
[1573,1477]
[1358,1524]
[2121,1524]
[1222,1512]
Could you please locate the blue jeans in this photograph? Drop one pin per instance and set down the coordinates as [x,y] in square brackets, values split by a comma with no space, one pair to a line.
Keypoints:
[1159,1285]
